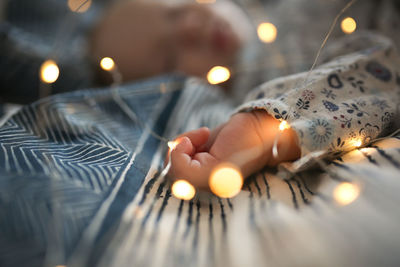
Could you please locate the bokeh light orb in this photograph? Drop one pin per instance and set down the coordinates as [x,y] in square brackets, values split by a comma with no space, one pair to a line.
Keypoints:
[49,71]
[218,74]
[79,6]
[182,189]
[172,144]
[107,63]
[345,193]
[355,143]
[226,180]
[284,125]
[348,25]
[267,32]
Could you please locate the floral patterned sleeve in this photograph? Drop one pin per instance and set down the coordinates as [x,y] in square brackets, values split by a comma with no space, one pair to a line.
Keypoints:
[342,104]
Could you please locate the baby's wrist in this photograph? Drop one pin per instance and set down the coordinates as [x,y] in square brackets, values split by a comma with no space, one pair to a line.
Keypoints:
[285,140]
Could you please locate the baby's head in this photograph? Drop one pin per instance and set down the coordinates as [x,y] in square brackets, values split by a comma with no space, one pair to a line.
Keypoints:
[149,38]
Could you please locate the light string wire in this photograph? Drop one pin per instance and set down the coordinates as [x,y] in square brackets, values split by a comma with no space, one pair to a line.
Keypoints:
[46,90]
[117,81]
[349,4]
[68,25]
[304,83]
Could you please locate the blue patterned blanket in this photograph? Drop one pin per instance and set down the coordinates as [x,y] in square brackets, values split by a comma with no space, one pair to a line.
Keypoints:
[65,158]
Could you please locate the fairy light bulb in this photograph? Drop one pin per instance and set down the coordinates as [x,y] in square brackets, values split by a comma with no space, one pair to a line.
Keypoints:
[218,74]
[355,143]
[107,64]
[348,25]
[345,193]
[284,125]
[226,180]
[182,189]
[172,144]
[49,71]
[267,32]
[79,6]
[358,143]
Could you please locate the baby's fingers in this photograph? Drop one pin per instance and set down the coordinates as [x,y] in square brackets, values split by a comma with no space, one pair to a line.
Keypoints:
[197,137]
[195,170]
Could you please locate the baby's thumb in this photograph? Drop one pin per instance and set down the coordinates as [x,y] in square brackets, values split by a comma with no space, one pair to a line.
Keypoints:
[185,146]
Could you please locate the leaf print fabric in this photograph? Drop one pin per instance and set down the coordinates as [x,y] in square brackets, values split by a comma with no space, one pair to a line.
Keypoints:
[330,106]
[348,100]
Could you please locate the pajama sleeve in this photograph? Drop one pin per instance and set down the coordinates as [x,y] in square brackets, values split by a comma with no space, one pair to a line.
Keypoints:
[343,104]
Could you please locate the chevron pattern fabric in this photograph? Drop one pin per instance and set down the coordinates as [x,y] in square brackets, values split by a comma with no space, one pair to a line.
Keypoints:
[63,158]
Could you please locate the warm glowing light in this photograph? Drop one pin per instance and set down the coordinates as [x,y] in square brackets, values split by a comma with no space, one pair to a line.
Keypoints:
[366,150]
[218,74]
[348,25]
[183,190]
[267,32]
[107,63]
[79,6]
[355,142]
[172,144]
[358,143]
[284,125]
[345,193]
[49,71]
[226,180]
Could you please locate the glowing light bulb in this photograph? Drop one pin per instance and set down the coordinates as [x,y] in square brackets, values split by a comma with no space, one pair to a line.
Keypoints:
[284,125]
[49,71]
[218,74]
[345,193]
[183,190]
[348,25]
[356,142]
[267,32]
[79,6]
[107,63]
[226,180]
[172,144]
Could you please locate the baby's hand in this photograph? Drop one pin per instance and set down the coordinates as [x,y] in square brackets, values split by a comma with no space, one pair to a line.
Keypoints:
[246,141]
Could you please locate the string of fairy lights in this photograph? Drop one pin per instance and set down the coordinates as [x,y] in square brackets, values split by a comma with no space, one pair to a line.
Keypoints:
[226,179]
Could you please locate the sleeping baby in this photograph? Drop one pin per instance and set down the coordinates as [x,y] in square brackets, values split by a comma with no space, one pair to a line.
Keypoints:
[343,104]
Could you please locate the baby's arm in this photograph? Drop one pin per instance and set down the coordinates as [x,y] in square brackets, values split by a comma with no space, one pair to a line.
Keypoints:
[342,105]
[246,140]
